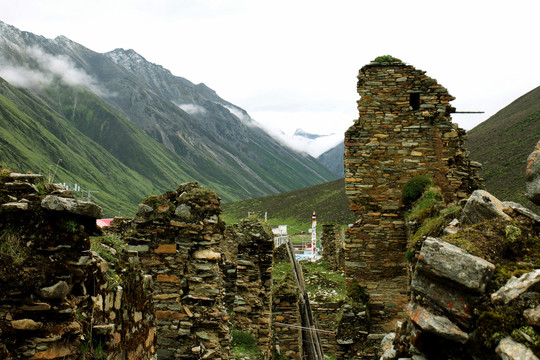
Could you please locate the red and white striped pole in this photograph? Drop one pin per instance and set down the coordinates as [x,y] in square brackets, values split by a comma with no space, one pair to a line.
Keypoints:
[313,236]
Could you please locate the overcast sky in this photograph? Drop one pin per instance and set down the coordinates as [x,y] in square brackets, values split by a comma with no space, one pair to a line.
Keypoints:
[293,63]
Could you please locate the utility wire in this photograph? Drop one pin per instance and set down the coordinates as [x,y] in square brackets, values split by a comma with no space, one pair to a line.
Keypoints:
[305,328]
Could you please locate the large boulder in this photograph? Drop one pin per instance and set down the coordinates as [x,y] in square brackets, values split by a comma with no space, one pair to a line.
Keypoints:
[74,206]
[532,173]
[482,206]
[446,261]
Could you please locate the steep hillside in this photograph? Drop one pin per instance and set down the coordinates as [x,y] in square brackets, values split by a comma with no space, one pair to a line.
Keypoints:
[33,138]
[295,208]
[197,135]
[502,144]
[333,159]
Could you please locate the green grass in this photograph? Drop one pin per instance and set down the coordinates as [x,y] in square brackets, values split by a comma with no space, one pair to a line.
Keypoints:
[323,283]
[429,212]
[244,344]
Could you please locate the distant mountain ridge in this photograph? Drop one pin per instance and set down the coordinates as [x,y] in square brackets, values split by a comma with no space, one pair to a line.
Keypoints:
[198,135]
[333,159]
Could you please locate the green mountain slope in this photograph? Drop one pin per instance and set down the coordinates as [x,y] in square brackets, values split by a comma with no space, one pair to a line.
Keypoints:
[35,139]
[93,146]
[502,144]
[294,208]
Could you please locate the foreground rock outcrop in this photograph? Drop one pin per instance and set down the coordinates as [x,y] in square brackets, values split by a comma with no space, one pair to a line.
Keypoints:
[475,292]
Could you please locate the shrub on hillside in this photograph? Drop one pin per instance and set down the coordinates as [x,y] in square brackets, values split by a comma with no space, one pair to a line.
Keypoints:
[414,188]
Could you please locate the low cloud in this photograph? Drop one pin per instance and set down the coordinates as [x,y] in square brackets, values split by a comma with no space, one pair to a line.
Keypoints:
[239,113]
[23,77]
[192,108]
[49,68]
[283,125]
[313,147]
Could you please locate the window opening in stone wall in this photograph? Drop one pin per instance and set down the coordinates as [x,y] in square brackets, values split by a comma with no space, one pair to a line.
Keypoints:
[414,101]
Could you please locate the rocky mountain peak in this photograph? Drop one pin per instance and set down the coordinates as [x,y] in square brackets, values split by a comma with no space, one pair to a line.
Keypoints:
[133,61]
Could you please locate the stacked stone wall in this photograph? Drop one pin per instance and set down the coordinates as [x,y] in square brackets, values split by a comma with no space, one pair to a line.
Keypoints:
[286,312]
[59,299]
[404,130]
[326,316]
[252,307]
[332,246]
[178,236]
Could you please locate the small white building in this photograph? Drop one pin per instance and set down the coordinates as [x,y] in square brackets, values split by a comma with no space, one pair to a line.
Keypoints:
[280,234]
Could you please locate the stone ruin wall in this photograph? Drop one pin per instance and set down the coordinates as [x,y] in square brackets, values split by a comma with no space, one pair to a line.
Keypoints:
[171,301]
[286,310]
[57,298]
[404,130]
[252,284]
[208,278]
[332,246]
[327,315]
[178,236]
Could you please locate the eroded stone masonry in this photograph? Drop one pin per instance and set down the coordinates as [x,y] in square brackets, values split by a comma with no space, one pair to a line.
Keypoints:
[208,278]
[251,283]
[58,298]
[178,236]
[156,287]
[404,130]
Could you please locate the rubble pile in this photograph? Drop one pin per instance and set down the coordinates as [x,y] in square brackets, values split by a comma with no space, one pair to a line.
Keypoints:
[474,292]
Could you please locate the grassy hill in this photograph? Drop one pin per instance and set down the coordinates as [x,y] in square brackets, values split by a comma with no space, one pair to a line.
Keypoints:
[502,144]
[294,208]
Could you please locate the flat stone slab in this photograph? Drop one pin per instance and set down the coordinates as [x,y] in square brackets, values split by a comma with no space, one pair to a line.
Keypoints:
[33,178]
[532,316]
[514,287]
[74,206]
[456,303]
[448,261]
[436,324]
[521,209]
[509,349]
[57,291]
[26,324]
[21,186]
[482,206]
[14,206]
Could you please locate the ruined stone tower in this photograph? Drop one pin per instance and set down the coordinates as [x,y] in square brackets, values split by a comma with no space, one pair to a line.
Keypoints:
[404,130]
